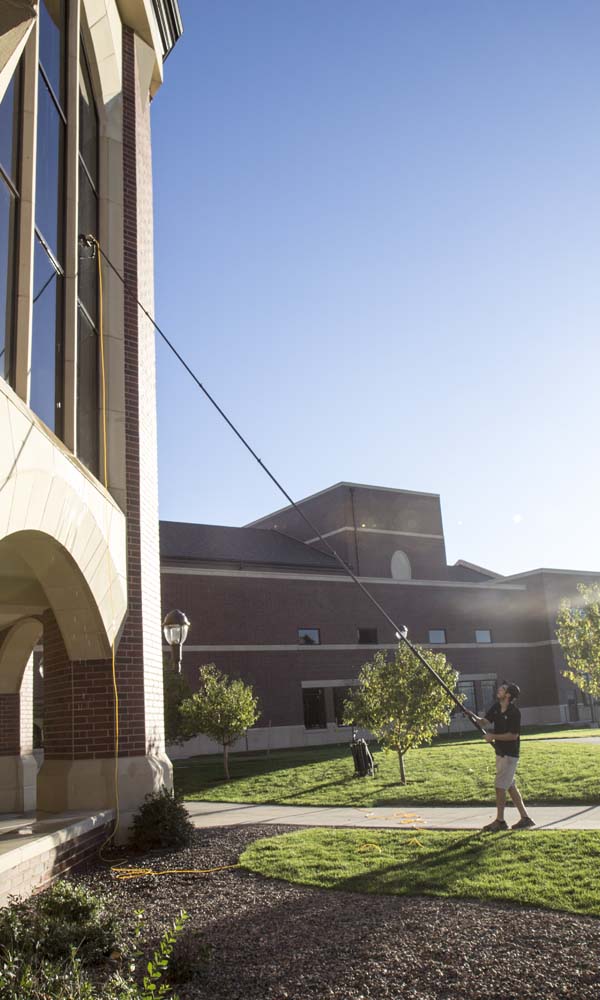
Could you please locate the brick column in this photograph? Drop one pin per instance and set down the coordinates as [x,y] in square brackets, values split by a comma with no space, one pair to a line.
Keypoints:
[79,734]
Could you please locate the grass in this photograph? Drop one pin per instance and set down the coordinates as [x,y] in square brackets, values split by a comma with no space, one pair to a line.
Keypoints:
[555,870]
[456,771]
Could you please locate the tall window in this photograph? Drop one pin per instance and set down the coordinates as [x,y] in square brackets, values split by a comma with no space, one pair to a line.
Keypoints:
[9,201]
[314,708]
[48,272]
[87,282]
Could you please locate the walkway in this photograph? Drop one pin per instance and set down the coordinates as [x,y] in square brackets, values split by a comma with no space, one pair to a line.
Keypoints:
[205,814]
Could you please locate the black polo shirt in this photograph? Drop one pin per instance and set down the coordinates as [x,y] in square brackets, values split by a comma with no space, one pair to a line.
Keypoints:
[505,722]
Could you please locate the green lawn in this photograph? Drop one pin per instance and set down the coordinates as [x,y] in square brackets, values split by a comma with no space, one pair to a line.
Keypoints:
[451,772]
[557,870]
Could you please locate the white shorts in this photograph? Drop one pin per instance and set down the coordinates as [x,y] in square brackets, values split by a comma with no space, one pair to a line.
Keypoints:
[506,768]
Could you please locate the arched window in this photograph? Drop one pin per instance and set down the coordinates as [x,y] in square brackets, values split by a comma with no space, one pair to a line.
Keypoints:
[400,566]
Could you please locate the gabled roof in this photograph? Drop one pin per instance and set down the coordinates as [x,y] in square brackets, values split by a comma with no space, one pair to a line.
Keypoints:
[218,543]
[479,569]
[336,486]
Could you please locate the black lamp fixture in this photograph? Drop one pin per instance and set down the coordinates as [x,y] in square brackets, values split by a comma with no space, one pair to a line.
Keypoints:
[175,628]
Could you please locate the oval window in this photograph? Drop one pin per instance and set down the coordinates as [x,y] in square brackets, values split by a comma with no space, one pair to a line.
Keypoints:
[400,566]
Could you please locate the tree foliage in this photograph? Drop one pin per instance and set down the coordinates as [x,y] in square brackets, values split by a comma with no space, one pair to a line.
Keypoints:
[400,702]
[578,632]
[176,690]
[223,708]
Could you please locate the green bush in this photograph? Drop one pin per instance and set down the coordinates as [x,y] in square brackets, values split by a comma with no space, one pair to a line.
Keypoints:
[20,979]
[49,926]
[162,821]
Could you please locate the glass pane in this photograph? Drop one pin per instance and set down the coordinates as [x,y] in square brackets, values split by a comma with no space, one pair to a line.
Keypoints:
[9,124]
[483,635]
[437,635]
[87,288]
[309,636]
[87,393]
[52,42]
[47,286]
[7,270]
[314,708]
[49,173]
[340,695]
[88,122]
[467,688]
[488,694]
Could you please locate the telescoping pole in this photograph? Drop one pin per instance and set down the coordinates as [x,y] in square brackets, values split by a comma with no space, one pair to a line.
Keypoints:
[402,635]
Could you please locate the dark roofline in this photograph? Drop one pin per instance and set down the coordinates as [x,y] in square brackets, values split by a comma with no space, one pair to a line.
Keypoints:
[170,25]
[478,569]
[558,572]
[358,486]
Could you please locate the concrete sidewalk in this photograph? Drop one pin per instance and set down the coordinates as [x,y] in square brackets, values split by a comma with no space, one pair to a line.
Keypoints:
[204,814]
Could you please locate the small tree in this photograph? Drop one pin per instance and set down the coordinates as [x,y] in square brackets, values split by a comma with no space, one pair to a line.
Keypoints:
[223,709]
[400,702]
[176,689]
[578,632]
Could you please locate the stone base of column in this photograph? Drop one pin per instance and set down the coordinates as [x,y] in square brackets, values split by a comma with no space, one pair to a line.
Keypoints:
[18,781]
[82,785]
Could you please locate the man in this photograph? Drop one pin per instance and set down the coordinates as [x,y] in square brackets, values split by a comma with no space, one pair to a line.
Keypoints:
[505,718]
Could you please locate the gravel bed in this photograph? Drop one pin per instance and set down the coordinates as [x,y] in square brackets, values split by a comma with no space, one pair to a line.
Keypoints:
[273,941]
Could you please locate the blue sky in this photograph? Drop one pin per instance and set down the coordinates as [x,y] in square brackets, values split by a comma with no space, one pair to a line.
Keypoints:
[377,233]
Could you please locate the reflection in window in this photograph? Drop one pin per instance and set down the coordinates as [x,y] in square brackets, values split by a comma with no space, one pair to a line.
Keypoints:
[87,278]
[340,696]
[9,198]
[87,391]
[437,635]
[47,333]
[47,317]
[52,45]
[314,708]
[467,689]
[488,694]
[49,170]
[309,636]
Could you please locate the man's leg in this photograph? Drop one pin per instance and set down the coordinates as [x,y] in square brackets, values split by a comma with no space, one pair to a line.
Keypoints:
[526,821]
[500,803]
[515,795]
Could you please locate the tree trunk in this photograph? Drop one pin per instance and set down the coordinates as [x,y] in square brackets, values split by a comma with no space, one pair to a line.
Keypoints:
[402,771]
[226,760]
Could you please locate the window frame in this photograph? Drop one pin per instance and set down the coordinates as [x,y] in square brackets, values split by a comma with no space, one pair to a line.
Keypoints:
[486,631]
[14,186]
[302,640]
[437,642]
[367,642]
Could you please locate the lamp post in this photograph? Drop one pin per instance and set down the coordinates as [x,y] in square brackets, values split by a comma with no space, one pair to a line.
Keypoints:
[175,628]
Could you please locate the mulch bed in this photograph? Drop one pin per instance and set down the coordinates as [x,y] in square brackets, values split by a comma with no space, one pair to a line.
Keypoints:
[272,941]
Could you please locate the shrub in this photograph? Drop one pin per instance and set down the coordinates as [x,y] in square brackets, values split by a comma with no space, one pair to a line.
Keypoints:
[20,979]
[162,821]
[49,926]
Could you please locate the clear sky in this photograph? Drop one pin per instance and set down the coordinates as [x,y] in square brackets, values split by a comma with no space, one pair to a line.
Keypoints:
[377,230]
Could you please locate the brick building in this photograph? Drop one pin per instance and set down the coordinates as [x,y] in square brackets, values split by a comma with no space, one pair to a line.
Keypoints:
[266,603]
[79,560]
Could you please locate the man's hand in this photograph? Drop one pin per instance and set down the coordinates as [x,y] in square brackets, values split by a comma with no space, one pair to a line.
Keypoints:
[489,737]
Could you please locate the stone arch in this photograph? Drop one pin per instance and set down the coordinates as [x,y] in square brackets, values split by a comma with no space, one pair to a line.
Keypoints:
[400,566]
[78,591]
[62,538]
[16,648]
